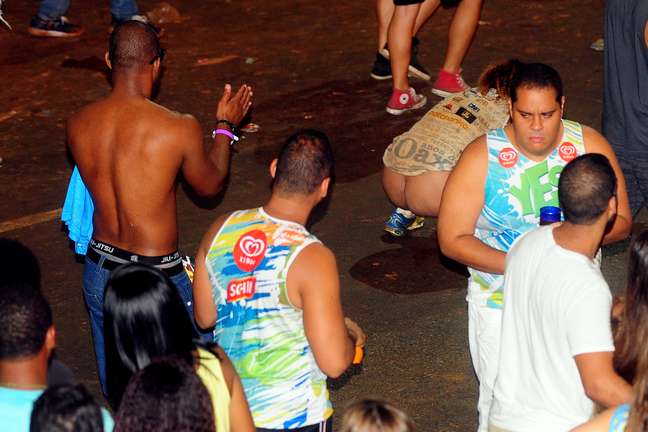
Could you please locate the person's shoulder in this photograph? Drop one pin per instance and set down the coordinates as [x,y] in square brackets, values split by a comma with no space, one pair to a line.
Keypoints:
[594,141]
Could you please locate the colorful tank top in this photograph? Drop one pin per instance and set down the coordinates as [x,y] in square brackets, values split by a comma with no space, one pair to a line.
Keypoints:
[515,190]
[619,419]
[258,327]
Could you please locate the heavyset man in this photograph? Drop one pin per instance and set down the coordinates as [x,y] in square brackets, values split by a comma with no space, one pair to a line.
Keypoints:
[495,193]
[273,293]
[129,152]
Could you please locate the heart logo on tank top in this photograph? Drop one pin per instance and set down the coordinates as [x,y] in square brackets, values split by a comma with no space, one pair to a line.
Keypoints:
[507,157]
[567,151]
[249,250]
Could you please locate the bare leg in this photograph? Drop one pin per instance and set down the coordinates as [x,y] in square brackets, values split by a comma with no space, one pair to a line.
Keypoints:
[428,7]
[394,185]
[384,12]
[460,35]
[423,192]
[400,43]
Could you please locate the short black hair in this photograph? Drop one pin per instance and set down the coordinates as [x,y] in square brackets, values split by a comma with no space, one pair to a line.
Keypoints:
[133,44]
[535,76]
[25,317]
[304,161]
[66,408]
[585,187]
[169,391]
[18,265]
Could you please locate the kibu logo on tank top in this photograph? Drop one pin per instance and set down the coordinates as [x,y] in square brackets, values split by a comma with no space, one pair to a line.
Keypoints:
[567,151]
[249,250]
[507,157]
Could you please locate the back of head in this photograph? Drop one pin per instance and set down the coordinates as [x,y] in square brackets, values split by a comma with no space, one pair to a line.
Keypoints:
[25,317]
[535,76]
[369,415]
[18,265]
[499,77]
[166,396]
[304,161]
[585,188]
[66,408]
[133,45]
[144,318]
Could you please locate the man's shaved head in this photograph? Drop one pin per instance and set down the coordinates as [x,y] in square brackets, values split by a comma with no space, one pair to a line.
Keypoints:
[133,44]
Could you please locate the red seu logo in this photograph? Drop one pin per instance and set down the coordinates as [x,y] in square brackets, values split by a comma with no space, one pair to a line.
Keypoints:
[507,157]
[567,151]
[239,289]
[249,250]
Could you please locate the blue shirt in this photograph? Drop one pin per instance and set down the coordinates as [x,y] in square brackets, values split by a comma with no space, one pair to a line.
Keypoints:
[16,407]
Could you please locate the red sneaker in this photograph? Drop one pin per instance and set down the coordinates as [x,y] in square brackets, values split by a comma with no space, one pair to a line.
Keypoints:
[448,84]
[402,101]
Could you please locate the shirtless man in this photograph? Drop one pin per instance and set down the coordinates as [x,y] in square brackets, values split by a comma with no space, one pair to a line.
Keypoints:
[494,195]
[273,291]
[129,152]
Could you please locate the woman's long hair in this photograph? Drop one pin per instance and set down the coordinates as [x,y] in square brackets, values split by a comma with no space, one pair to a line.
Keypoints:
[631,352]
[144,318]
[498,76]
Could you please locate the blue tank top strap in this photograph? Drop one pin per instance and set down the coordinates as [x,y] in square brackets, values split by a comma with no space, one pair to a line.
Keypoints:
[620,418]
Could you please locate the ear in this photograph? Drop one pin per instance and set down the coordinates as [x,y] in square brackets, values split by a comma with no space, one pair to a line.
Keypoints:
[50,339]
[107,59]
[324,187]
[562,106]
[612,206]
[510,107]
[273,167]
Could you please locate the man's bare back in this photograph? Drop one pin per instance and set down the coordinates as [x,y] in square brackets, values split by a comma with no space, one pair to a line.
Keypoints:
[130,151]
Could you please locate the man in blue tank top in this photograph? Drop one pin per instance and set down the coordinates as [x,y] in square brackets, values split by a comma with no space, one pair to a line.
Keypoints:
[495,193]
[625,92]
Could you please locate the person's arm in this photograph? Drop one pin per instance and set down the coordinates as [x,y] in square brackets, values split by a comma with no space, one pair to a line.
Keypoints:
[204,307]
[461,203]
[239,410]
[206,169]
[620,229]
[600,381]
[314,284]
[600,423]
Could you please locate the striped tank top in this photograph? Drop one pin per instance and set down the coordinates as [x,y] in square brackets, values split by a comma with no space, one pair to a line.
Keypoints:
[258,327]
[515,190]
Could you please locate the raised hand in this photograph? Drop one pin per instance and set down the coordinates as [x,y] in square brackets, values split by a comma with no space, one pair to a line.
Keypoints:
[234,107]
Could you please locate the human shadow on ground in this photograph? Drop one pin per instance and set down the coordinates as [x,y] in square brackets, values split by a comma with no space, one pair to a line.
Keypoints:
[415,268]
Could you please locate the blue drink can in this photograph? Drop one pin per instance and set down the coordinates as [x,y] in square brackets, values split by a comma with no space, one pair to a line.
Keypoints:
[549,215]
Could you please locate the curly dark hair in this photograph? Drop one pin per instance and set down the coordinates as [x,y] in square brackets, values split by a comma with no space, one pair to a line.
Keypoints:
[66,408]
[166,396]
[25,317]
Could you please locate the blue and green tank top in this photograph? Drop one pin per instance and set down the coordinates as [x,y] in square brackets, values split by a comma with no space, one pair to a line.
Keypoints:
[515,190]
[258,327]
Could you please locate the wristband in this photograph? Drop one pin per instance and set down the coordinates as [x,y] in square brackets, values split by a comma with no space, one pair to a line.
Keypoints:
[225,132]
[228,123]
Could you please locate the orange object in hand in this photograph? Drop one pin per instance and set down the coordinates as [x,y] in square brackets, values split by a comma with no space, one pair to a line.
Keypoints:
[359,354]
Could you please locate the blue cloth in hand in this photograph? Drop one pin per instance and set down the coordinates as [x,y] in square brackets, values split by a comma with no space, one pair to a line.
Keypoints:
[78,210]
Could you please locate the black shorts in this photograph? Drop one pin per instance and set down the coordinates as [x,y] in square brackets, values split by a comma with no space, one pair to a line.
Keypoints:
[407,2]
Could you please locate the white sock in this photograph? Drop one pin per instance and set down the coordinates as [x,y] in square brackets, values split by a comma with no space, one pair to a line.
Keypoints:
[408,214]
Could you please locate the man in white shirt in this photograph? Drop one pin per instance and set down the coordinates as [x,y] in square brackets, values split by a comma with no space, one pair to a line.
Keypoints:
[556,346]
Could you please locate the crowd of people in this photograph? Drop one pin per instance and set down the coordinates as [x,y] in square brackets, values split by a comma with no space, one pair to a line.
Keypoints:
[247,341]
